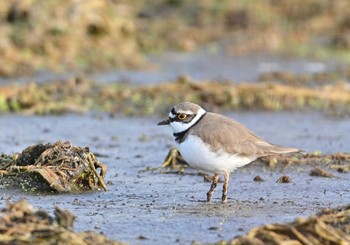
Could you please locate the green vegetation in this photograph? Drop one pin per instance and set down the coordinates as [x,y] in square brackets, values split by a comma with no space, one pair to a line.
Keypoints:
[78,95]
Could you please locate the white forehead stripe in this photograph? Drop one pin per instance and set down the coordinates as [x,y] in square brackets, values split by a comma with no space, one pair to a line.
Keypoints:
[186,112]
[171,115]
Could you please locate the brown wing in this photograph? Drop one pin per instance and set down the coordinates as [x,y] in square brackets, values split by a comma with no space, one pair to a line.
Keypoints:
[234,137]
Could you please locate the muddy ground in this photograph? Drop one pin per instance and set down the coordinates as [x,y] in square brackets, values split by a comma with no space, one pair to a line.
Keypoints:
[150,207]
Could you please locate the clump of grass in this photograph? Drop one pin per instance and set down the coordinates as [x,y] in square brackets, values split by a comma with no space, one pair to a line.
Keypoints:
[98,35]
[22,224]
[324,227]
[78,95]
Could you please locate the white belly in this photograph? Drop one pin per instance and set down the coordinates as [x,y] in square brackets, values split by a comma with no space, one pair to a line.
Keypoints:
[199,155]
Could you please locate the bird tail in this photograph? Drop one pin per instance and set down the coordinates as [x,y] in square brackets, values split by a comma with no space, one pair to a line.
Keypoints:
[284,150]
[271,149]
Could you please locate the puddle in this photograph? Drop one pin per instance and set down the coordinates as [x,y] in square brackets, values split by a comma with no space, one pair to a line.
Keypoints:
[153,208]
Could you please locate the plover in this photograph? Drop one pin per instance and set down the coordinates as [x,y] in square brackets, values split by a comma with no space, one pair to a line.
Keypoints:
[216,144]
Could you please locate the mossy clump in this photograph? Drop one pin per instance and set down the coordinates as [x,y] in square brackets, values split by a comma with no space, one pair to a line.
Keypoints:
[59,167]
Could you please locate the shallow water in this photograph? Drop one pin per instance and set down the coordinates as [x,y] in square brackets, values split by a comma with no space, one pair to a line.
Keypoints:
[210,62]
[149,207]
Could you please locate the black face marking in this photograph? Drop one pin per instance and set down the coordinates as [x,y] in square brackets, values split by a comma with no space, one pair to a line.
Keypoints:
[181,136]
[188,118]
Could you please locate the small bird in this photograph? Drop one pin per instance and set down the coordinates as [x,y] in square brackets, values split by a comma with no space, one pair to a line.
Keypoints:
[216,144]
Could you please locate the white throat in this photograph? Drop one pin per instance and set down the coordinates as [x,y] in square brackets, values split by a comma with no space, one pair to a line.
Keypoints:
[179,127]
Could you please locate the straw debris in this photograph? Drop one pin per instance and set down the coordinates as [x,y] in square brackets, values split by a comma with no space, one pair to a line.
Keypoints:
[330,226]
[174,160]
[322,173]
[59,167]
[21,224]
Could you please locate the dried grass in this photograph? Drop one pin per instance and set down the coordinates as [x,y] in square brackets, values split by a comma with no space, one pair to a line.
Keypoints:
[21,224]
[329,227]
[62,167]
[79,94]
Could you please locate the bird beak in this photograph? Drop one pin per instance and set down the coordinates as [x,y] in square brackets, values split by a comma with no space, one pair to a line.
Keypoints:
[165,122]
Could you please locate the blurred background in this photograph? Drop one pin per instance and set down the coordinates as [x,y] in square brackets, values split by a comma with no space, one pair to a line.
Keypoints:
[295,43]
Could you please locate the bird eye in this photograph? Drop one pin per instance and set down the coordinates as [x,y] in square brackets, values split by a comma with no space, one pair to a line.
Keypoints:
[181,116]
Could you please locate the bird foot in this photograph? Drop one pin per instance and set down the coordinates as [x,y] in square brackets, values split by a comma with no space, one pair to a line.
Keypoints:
[224,198]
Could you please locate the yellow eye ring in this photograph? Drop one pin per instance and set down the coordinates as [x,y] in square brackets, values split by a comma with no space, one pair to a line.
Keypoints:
[181,116]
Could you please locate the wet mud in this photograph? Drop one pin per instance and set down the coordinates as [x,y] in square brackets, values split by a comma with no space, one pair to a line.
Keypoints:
[151,207]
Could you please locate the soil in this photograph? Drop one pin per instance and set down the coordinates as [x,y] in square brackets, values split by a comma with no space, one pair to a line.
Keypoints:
[152,207]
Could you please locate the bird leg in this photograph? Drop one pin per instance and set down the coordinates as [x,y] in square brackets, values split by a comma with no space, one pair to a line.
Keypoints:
[225,187]
[212,187]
